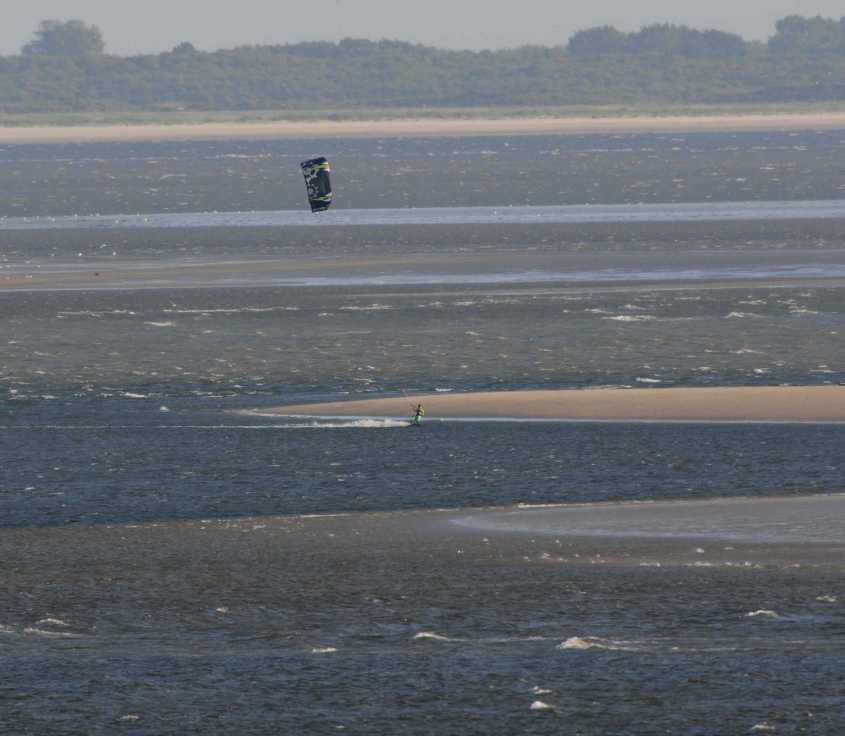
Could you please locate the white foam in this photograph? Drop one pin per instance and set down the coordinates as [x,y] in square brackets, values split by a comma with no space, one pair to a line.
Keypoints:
[827,598]
[631,318]
[370,308]
[51,622]
[161,324]
[323,650]
[762,613]
[742,315]
[762,727]
[539,705]
[431,636]
[325,423]
[594,642]
[237,310]
[42,632]
[353,423]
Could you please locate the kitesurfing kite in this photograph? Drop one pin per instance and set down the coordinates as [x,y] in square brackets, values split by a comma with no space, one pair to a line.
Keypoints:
[318,183]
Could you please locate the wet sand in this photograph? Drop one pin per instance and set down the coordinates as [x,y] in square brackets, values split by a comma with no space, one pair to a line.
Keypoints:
[712,532]
[570,270]
[735,404]
[424,128]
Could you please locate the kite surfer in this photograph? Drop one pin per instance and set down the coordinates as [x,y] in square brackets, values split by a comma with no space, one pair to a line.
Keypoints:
[419,413]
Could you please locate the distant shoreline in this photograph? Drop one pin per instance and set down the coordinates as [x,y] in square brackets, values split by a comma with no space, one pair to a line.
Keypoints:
[728,404]
[421,127]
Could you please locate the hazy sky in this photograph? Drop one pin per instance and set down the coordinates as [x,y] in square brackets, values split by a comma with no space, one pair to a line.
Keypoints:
[134,26]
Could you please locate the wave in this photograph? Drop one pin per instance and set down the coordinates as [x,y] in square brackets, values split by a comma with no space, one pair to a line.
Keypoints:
[370,308]
[584,643]
[49,621]
[631,318]
[50,626]
[35,631]
[431,636]
[233,310]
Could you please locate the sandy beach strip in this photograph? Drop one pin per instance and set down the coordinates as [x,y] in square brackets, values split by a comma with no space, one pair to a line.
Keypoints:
[439,127]
[760,404]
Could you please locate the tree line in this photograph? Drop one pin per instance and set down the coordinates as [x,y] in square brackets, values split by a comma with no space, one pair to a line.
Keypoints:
[65,67]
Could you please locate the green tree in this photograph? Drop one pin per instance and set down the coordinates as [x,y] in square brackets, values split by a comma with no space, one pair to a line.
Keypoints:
[66,38]
[809,36]
[594,42]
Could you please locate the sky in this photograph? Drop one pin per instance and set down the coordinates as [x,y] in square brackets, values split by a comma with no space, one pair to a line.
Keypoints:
[151,26]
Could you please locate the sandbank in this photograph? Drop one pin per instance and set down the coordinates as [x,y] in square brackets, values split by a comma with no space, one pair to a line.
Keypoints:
[440,127]
[794,519]
[728,404]
[573,272]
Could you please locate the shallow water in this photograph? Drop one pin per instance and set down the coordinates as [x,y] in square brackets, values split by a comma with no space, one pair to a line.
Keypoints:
[799,520]
[561,214]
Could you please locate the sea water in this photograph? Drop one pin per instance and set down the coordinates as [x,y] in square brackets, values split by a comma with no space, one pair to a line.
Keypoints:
[176,561]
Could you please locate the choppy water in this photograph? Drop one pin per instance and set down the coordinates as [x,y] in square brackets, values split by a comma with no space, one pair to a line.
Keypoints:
[245,176]
[127,460]
[158,576]
[275,344]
